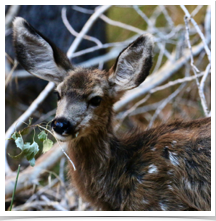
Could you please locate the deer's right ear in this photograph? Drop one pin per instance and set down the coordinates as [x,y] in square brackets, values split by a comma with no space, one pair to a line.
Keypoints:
[37,54]
[133,64]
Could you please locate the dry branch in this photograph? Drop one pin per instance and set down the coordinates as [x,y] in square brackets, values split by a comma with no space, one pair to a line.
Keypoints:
[31,174]
[73,32]
[194,68]
[208,52]
[86,28]
[12,12]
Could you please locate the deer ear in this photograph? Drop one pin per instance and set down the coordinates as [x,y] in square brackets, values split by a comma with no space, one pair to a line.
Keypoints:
[37,54]
[133,64]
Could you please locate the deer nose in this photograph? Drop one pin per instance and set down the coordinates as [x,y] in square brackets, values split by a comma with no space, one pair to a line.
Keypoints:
[61,126]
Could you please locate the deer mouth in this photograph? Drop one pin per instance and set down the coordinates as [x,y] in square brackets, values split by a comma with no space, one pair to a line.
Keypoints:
[65,137]
[62,138]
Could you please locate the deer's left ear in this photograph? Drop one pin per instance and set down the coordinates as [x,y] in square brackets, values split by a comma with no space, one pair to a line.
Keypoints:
[133,64]
[37,54]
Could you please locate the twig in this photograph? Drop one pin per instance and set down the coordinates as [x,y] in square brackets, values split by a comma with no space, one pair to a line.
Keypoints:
[195,70]
[42,190]
[9,77]
[36,204]
[73,32]
[196,10]
[159,88]
[207,71]
[207,23]
[56,205]
[86,28]
[30,174]
[122,25]
[160,57]
[208,52]
[178,81]
[94,48]
[12,12]
[166,15]
[112,54]
[131,110]
[167,100]
[110,21]
[155,15]
[83,10]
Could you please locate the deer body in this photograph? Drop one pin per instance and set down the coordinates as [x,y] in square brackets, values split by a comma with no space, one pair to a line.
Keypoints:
[159,169]
[164,168]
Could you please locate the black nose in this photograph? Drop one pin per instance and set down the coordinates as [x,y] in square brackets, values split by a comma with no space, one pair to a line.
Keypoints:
[61,126]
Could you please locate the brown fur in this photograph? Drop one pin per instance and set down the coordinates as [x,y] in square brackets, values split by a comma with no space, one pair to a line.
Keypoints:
[115,176]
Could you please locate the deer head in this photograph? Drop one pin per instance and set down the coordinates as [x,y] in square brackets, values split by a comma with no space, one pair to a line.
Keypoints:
[85,96]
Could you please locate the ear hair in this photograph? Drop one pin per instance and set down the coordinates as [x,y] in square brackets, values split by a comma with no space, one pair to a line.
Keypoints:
[133,64]
[37,54]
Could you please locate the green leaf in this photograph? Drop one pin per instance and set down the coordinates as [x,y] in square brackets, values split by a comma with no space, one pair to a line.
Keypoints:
[15,135]
[25,131]
[32,162]
[47,145]
[42,135]
[19,143]
[28,150]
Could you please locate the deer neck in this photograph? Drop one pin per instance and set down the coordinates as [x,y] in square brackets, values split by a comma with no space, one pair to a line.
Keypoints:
[94,150]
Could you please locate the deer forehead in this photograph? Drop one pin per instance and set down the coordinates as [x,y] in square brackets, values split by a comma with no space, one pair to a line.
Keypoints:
[84,83]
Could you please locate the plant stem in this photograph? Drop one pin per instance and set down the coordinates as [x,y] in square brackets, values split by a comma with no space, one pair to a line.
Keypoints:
[15,187]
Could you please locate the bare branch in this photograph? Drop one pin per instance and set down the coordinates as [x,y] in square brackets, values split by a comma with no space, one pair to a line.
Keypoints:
[195,70]
[86,28]
[172,83]
[164,103]
[207,23]
[9,76]
[159,88]
[202,83]
[112,54]
[208,52]
[166,15]
[122,25]
[31,174]
[196,10]
[92,49]
[73,32]
[12,12]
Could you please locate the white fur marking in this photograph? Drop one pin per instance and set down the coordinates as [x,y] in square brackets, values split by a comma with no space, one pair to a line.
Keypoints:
[163,206]
[152,169]
[173,159]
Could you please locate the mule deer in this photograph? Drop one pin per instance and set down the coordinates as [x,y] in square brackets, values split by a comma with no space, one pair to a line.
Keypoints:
[164,168]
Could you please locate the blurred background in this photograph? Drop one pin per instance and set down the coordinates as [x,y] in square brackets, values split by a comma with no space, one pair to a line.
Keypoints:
[179,86]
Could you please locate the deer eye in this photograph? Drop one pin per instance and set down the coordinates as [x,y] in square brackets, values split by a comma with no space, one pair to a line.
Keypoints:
[95,101]
[57,95]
